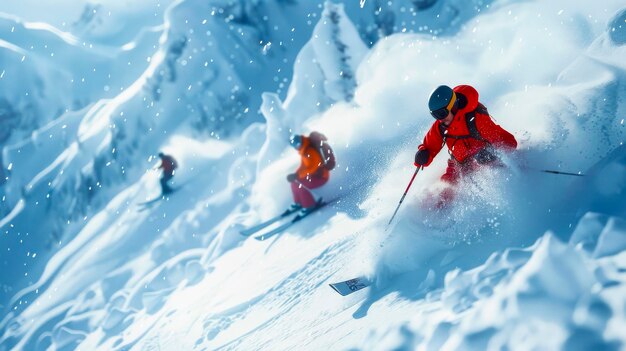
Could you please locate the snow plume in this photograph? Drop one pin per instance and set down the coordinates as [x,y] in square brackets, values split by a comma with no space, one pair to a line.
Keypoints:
[423,236]
[562,121]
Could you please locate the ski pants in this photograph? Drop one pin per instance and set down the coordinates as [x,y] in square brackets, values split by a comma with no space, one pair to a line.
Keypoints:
[300,189]
[453,174]
[455,170]
[165,188]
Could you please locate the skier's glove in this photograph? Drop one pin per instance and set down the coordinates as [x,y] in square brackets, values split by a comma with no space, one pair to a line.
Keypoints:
[291,177]
[421,158]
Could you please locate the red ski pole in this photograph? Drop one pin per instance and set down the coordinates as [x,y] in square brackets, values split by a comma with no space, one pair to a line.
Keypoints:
[403,196]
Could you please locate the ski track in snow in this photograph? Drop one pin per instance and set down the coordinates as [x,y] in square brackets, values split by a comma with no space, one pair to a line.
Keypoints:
[523,260]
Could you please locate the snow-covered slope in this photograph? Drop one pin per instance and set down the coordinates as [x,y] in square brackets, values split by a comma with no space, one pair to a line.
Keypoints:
[97,151]
[523,260]
[95,135]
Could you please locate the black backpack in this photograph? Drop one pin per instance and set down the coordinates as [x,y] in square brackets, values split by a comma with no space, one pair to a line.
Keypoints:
[319,141]
[470,121]
[485,155]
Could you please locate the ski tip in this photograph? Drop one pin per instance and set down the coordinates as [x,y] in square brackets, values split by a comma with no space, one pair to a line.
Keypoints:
[348,287]
[334,288]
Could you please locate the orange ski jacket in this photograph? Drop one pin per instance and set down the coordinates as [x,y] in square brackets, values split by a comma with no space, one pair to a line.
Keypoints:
[311,164]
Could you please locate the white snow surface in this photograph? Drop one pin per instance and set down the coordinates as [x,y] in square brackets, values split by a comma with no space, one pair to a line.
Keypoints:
[523,260]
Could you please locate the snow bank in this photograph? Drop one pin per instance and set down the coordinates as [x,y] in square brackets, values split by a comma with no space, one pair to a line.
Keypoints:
[547,290]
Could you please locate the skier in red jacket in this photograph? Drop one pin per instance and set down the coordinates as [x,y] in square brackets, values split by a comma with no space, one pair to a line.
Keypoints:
[464,125]
[169,165]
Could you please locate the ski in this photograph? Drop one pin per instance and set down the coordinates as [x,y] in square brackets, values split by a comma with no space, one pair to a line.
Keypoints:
[147,204]
[295,220]
[256,228]
[347,287]
[280,228]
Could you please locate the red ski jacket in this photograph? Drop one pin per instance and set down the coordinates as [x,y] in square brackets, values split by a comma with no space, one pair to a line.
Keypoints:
[462,145]
[168,164]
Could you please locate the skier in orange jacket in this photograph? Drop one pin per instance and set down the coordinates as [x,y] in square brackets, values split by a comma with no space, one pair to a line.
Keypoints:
[314,170]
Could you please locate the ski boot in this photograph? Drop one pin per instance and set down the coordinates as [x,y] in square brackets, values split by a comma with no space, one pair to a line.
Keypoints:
[305,211]
[293,208]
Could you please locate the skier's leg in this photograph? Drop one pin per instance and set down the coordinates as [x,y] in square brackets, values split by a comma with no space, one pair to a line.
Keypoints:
[307,199]
[296,190]
[451,177]
[314,183]
[165,188]
[163,185]
[452,173]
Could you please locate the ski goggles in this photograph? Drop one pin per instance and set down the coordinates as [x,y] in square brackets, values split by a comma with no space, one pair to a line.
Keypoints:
[443,112]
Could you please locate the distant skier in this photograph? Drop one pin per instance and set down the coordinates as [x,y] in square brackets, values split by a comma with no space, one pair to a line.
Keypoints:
[317,159]
[464,125]
[169,165]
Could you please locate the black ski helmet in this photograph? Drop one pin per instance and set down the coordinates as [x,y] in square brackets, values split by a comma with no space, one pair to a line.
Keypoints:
[296,141]
[442,100]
